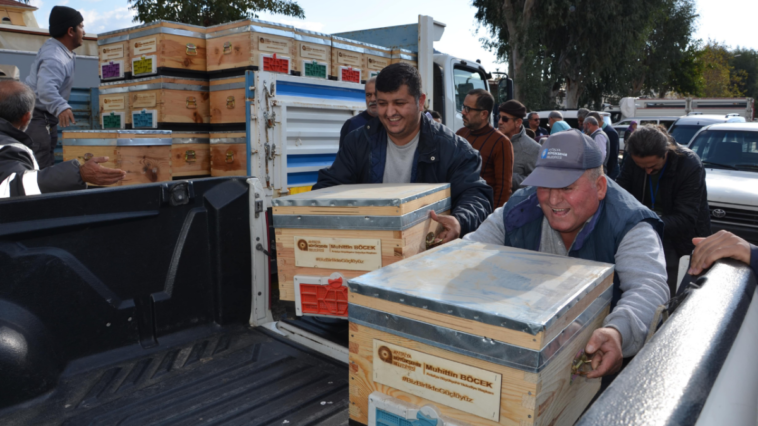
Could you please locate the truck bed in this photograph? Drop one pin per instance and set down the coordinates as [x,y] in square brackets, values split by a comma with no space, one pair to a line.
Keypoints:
[211,376]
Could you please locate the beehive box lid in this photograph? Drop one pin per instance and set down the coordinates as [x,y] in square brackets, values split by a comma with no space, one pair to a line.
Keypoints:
[250,25]
[362,206]
[116,137]
[521,290]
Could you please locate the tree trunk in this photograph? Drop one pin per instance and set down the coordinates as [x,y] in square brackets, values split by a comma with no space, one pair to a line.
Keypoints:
[516,63]
[574,89]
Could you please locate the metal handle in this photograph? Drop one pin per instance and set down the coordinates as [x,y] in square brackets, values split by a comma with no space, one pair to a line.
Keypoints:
[190,156]
[229,156]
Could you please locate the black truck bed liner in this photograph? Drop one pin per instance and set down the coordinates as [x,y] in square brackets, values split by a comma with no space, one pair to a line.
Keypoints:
[232,376]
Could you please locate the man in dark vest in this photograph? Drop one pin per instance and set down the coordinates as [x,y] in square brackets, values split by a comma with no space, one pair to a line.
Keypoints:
[571,209]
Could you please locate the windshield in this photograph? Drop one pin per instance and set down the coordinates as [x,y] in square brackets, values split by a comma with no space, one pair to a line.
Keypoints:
[466,80]
[727,149]
[684,134]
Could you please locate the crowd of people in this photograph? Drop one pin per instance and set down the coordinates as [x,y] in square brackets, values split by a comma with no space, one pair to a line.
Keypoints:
[559,190]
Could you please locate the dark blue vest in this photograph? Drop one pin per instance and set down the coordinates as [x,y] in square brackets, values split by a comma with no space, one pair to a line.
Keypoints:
[599,240]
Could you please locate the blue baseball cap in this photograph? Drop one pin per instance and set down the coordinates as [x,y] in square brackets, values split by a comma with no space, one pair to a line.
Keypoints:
[563,159]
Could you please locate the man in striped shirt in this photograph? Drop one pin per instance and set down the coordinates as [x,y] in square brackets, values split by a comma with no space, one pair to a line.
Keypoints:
[494,147]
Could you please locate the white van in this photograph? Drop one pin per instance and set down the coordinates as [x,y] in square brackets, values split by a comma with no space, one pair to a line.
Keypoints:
[685,127]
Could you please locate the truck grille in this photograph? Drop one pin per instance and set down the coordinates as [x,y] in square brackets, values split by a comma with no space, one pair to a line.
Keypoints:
[734,216]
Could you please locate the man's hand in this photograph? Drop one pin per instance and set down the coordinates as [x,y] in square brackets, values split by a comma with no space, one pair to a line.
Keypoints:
[452,228]
[92,172]
[720,245]
[605,344]
[66,118]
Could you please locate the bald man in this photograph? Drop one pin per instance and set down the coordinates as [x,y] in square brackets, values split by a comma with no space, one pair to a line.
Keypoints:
[19,172]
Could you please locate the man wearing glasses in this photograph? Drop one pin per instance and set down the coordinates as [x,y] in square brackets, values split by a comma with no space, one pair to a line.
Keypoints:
[534,123]
[494,147]
[525,149]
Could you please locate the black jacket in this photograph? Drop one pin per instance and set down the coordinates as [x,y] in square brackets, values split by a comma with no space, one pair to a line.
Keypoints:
[682,195]
[353,123]
[441,157]
[613,152]
[19,173]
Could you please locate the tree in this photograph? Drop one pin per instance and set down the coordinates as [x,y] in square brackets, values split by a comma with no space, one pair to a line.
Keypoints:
[720,78]
[210,12]
[745,62]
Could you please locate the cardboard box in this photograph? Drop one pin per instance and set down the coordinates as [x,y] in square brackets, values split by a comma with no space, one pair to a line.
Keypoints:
[482,334]
[371,225]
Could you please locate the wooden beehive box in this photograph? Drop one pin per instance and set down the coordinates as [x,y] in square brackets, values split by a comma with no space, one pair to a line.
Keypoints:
[348,59]
[313,54]
[484,334]
[113,101]
[228,154]
[167,48]
[145,155]
[251,44]
[113,54]
[190,154]
[375,59]
[392,218]
[227,102]
[403,55]
[174,103]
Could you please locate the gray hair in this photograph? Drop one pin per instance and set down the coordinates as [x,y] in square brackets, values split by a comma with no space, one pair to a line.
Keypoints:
[582,112]
[371,80]
[591,120]
[16,99]
[556,114]
[594,174]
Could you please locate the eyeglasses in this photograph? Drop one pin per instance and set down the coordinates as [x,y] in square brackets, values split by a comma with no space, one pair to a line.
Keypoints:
[505,119]
[468,109]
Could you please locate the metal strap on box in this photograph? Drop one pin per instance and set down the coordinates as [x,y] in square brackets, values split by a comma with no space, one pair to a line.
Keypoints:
[377,53]
[251,28]
[110,40]
[477,346]
[306,201]
[118,142]
[366,223]
[164,30]
[167,86]
[227,86]
[113,90]
[404,56]
[183,141]
[343,46]
[215,141]
[313,40]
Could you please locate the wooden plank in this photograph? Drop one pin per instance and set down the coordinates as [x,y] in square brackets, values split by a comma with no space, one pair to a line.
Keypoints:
[176,52]
[227,106]
[184,106]
[144,164]
[183,163]
[400,210]
[228,159]
[546,398]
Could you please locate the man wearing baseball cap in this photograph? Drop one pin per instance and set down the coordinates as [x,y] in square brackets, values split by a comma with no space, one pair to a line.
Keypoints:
[52,77]
[571,209]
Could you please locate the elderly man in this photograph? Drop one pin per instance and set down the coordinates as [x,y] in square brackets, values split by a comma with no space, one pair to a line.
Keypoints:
[19,172]
[496,150]
[581,114]
[365,116]
[51,78]
[593,130]
[525,149]
[534,124]
[556,123]
[402,145]
[572,209]
[612,164]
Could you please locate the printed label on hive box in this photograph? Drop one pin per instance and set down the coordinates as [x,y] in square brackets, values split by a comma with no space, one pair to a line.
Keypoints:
[314,51]
[113,103]
[141,100]
[111,51]
[144,45]
[275,45]
[338,253]
[346,57]
[376,63]
[449,383]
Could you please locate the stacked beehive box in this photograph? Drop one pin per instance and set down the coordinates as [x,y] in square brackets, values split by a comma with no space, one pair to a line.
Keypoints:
[475,334]
[349,230]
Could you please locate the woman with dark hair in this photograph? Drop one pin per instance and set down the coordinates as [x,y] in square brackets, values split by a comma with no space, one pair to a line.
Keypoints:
[669,179]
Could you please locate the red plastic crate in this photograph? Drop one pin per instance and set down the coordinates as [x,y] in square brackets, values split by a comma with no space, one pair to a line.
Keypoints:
[274,64]
[348,74]
[330,299]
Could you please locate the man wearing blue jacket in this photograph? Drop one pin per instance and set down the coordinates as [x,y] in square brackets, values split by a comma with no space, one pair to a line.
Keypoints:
[52,77]
[365,116]
[402,145]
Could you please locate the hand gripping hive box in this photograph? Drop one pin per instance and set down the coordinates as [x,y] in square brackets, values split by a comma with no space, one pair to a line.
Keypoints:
[475,334]
[145,155]
[167,48]
[174,103]
[250,44]
[349,230]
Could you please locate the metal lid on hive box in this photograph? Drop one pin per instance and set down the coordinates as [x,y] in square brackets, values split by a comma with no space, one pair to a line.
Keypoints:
[504,305]
[362,206]
[117,137]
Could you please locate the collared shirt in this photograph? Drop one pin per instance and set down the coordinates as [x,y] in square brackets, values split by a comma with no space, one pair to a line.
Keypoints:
[52,77]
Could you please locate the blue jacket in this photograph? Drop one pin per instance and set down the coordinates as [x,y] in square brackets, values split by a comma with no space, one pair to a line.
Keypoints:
[613,152]
[353,123]
[600,238]
[441,157]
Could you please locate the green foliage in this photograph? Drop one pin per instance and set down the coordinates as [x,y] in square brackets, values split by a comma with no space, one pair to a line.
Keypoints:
[745,62]
[720,78]
[210,12]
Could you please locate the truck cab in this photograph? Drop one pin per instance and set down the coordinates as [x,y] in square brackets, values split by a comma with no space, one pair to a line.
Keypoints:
[453,79]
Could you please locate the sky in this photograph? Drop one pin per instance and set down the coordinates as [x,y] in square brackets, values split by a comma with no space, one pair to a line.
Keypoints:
[733,25]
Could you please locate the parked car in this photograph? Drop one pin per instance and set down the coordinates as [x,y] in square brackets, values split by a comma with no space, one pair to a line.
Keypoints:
[729,153]
[622,125]
[685,127]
